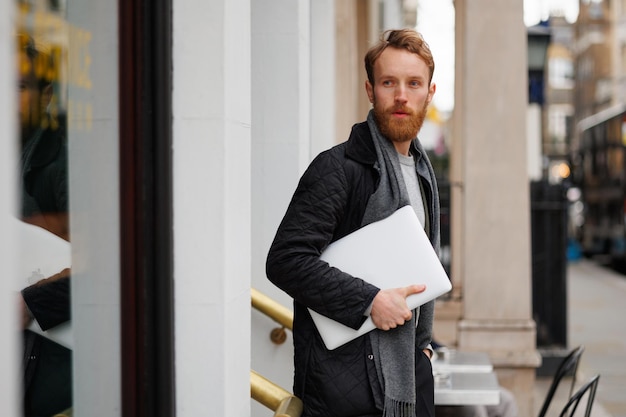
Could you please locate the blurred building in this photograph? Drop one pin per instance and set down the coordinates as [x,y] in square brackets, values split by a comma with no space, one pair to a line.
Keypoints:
[598,137]
[600,54]
[559,98]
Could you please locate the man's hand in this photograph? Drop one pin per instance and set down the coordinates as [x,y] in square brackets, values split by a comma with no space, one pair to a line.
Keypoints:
[389,308]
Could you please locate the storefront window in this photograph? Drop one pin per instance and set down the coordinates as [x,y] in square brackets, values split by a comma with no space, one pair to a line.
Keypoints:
[42,48]
[67,219]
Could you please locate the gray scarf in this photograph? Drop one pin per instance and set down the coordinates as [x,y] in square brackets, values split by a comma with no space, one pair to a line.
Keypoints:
[394,350]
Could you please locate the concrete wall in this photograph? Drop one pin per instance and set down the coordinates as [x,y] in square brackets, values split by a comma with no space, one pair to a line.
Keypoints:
[490,197]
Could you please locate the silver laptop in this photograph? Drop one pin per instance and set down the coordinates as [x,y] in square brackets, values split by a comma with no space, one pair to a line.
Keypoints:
[391,253]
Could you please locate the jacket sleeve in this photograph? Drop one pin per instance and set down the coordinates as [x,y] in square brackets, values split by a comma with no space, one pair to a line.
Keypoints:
[49,300]
[293,263]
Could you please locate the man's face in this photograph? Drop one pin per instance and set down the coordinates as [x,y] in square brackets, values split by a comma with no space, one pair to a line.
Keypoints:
[400,94]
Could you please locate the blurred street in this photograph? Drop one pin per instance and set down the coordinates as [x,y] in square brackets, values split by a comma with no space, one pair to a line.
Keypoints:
[596,319]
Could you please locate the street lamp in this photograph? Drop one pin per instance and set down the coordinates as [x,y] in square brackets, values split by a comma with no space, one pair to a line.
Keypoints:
[538,41]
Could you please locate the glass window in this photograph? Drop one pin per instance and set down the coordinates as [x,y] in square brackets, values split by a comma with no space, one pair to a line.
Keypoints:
[558,117]
[41,54]
[67,157]
[561,73]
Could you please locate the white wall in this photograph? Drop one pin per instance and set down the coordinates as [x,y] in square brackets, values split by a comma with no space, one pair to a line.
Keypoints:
[211,145]
[281,47]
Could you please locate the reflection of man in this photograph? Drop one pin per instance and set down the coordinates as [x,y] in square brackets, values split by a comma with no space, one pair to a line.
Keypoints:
[47,365]
[44,153]
[379,169]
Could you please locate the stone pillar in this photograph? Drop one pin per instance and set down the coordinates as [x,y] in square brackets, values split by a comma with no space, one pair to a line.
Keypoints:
[490,199]
[350,80]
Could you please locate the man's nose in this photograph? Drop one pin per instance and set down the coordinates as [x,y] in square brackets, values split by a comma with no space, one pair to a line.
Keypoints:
[400,95]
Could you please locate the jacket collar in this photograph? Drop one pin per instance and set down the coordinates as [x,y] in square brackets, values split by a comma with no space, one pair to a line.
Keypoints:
[360,145]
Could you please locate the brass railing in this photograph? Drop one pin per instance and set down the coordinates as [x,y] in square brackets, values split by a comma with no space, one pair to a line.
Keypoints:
[282,402]
[262,390]
[277,312]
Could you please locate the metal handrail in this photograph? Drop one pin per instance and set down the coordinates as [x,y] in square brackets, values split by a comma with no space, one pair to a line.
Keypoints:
[277,312]
[274,310]
[282,402]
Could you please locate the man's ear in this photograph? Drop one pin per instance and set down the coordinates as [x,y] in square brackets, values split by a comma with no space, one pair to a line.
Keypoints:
[370,91]
[431,91]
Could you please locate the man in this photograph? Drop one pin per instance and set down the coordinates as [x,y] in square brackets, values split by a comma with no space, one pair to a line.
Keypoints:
[47,366]
[380,168]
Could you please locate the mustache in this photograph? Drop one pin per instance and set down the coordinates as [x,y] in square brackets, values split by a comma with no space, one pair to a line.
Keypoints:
[401,109]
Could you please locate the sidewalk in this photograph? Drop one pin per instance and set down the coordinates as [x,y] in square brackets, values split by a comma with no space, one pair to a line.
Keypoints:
[596,319]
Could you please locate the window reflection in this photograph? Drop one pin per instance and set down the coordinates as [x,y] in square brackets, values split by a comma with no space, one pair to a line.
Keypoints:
[43,146]
[44,228]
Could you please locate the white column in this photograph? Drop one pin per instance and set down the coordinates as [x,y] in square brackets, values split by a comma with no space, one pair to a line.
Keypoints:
[10,349]
[492,189]
[211,148]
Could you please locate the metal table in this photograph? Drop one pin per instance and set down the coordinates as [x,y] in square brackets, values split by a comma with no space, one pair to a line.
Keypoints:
[466,388]
[459,361]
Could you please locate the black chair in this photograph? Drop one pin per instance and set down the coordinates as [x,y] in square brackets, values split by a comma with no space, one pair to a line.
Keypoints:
[567,366]
[572,404]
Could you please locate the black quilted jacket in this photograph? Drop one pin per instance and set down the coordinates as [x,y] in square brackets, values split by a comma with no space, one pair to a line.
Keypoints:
[329,203]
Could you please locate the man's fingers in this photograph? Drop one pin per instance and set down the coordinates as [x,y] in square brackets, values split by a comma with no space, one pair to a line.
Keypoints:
[389,309]
[414,289]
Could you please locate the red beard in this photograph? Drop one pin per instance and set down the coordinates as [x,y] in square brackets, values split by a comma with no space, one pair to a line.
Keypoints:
[399,130]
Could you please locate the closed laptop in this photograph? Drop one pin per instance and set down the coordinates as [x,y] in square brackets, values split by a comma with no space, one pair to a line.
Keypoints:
[390,253]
